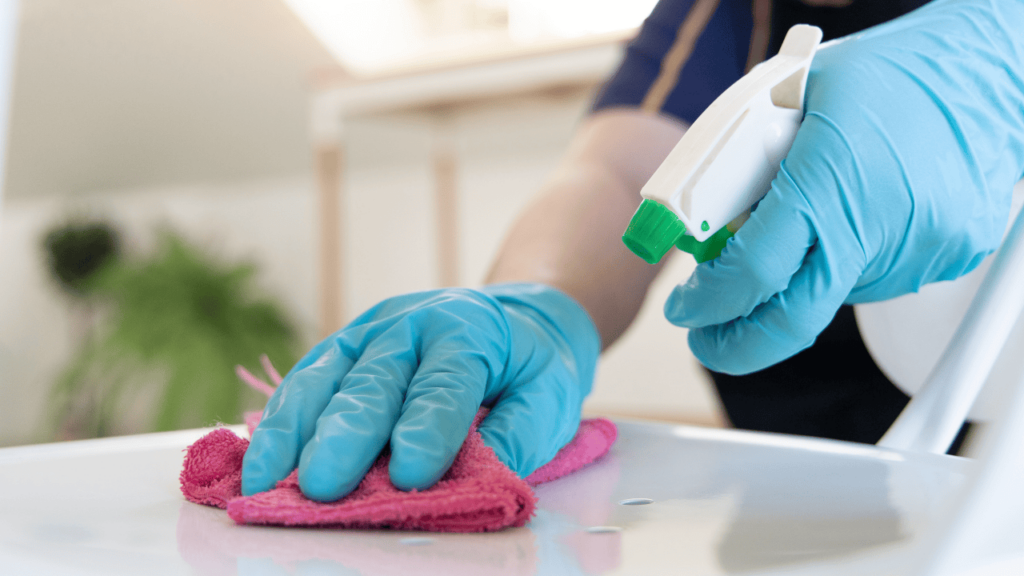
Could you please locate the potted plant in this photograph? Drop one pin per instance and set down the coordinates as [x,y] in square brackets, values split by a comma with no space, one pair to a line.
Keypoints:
[170,329]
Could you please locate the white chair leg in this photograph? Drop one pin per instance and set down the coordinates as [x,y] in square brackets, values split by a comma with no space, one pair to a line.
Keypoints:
[933,417]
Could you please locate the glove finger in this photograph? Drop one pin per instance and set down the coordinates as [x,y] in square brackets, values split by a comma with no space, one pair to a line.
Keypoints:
[757,263]
[314,354]
[786,324]
[290,417]
[356,423]
[442,400]
[531,422]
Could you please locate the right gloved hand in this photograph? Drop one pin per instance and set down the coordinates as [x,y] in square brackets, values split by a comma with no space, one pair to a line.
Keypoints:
[413,371]
[901,174]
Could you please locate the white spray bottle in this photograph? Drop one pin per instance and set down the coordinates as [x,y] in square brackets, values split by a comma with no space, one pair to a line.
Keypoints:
[704,190]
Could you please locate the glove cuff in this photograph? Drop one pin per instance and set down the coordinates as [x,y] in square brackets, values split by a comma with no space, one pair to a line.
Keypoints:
[564,315]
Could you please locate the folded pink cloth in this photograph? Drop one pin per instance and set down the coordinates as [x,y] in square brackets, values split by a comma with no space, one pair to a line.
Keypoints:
[477,494]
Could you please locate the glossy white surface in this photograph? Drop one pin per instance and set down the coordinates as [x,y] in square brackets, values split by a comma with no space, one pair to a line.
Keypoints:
[724,502]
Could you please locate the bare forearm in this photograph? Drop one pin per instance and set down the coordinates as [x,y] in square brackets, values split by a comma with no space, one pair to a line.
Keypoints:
[569,238]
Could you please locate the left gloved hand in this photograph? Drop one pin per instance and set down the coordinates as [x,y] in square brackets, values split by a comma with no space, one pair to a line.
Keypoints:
[900,175]
[411,373]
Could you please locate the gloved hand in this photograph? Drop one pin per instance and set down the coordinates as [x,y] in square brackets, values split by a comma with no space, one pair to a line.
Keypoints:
[900,175]
[413,371]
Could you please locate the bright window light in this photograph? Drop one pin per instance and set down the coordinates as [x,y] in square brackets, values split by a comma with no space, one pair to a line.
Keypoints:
[368,36]
[543,19]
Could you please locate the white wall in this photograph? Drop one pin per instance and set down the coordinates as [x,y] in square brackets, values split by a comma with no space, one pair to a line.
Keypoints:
[506,151]
[118,94]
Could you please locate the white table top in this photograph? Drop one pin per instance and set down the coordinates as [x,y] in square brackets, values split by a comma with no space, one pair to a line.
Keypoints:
[724,502]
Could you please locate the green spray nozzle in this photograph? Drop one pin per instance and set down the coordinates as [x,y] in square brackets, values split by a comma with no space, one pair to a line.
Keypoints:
[655,228]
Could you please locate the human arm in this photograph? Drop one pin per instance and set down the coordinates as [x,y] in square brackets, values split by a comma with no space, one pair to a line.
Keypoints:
[570,237]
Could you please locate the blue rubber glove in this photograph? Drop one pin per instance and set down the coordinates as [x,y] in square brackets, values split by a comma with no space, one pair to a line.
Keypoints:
[412,372]
[900,175]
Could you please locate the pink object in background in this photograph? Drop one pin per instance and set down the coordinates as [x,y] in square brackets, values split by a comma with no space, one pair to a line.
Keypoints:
[477,494]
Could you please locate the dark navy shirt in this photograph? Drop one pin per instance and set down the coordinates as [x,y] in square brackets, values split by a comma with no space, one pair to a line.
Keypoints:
[718,58]
[720,40]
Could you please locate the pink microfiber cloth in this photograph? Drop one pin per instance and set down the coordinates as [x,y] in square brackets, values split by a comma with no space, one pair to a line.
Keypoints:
[477,494]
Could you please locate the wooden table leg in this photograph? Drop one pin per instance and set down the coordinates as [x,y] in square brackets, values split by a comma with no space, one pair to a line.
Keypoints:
[446,201]
[329,171]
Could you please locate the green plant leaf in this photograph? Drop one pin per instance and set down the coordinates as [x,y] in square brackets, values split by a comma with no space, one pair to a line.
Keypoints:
[181,314]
